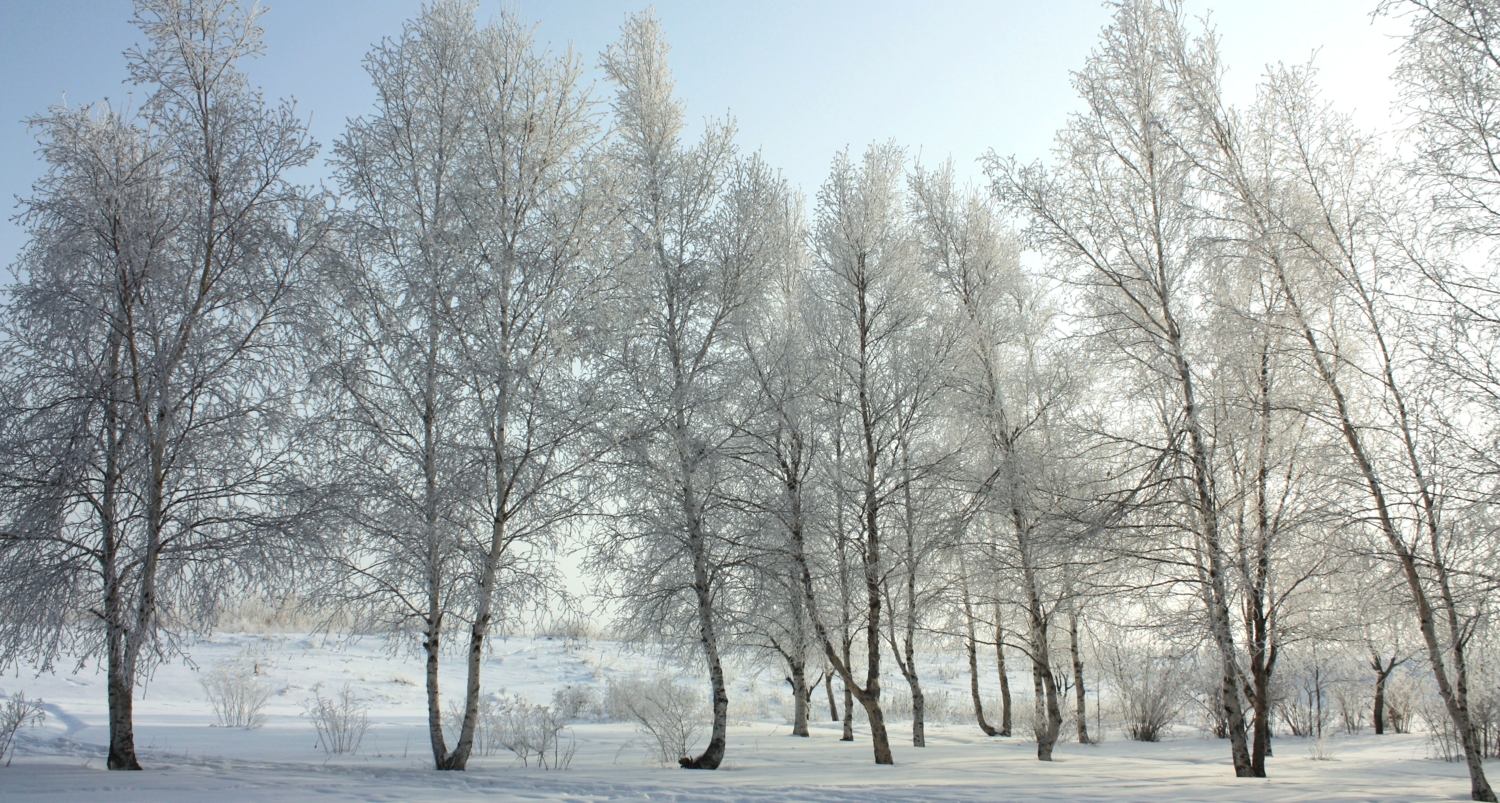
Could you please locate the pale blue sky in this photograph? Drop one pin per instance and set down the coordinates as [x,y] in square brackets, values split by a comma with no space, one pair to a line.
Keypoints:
[803,79]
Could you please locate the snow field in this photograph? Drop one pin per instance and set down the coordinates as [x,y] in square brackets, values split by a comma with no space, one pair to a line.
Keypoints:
[188,758]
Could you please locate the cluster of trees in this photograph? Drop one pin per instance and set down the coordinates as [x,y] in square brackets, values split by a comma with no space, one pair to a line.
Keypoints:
[1245,369]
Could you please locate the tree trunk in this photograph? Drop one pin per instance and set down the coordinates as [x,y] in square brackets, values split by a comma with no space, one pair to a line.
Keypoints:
[974,685]
[1047,716]
[848,734]
[882,743]
[121,680]
[801,696]
[1382,674]
[718,739]
[973,654]
[1005,713]
[430,645]
[1080,712]
[833,704]
[918,712]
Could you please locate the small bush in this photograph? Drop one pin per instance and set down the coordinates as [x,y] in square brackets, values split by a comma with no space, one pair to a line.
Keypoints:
[669,715]
[341,720]
[579,703]
[1150,688]
[535,733]
[1352,703]
[236,693]
[17,713]
[486,725]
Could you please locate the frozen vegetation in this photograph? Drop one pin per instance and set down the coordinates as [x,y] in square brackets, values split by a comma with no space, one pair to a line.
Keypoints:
[192,758]
[1162,467]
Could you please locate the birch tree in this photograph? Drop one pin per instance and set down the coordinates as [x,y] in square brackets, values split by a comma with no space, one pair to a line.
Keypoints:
[1117,214]
[882,381]
[463,331]
[698,243]
[149,427]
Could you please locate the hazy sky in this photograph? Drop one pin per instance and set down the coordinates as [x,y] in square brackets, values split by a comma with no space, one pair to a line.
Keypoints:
[803,79]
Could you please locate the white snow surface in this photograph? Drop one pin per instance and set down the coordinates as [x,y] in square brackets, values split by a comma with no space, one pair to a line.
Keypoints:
[188,758]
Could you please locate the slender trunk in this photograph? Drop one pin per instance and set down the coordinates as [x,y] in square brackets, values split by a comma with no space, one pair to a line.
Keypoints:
[833,704]
[1260,679]
[713,756]
[848,733]
[478,633]
[905,653]
[973,654]
[119,668]
[1258,620]
[1047,719]
[1048,714]
[433,624]
[1215,589]
[431,642]
[1005,711]
[1080,711]
[1383,671]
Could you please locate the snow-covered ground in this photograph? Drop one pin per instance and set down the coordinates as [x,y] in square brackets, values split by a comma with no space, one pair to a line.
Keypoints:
[188,759]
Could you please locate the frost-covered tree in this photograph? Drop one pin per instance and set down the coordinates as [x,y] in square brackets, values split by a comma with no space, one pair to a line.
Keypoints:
[883,374]
[700,234]
[1117,214]
[462,331]
[148,432]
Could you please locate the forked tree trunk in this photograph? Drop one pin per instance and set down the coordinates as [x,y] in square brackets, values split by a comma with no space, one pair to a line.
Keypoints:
[984,727]
[972,648]
[1383,671]
[1047,717]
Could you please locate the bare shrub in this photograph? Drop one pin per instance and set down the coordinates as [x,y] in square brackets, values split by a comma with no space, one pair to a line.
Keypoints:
[668,714]
[1484,715]
[1401,695]
[535,733]
[1303,705]
[17,713]
[486,726]
[341,720]
[1352,703]
[1442,738]
[1150,690]
[937,705]
[1320,748]
[579,703]
[236,693]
